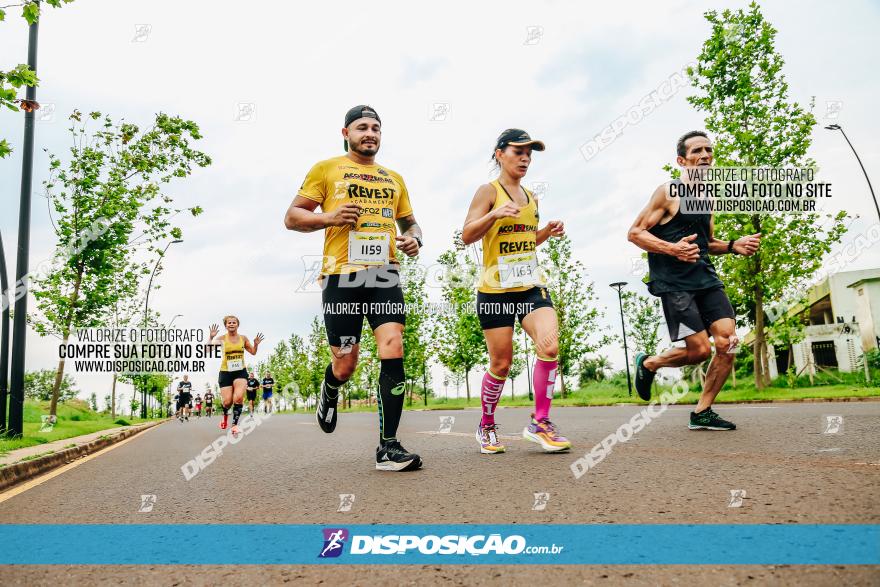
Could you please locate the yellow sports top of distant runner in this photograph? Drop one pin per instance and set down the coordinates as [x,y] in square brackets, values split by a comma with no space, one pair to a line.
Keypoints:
[383,198]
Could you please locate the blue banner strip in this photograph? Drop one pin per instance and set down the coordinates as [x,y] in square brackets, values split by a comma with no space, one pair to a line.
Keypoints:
[648,544]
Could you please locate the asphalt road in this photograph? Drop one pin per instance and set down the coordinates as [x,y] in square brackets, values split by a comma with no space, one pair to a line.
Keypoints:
[287,471]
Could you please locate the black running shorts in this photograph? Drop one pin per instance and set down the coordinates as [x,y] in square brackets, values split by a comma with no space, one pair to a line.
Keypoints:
[373,293]
[227,377]
[496,310]
[689,312]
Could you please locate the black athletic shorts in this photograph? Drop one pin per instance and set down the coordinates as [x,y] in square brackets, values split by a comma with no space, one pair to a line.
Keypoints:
[502,309]
[227,377]
[373,293]
[689,312]
[251,394]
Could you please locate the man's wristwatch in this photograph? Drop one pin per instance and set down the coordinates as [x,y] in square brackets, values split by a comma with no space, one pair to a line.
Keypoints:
[418,240]
[730,246]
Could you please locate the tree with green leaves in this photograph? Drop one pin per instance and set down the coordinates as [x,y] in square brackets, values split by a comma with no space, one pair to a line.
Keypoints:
[318,358]
[417,331]
[288,363]
[458,338]
[110,217]
[574,298]
[38,385]
[643,316]
[20,76]
[745,97]
[366,376]
[593,369]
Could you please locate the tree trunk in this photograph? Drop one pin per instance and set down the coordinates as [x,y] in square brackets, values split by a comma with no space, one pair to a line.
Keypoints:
[59,373]
[512,396]
[467,383]
[113,397]
[56,387]
[760,363]
[425,383]
[561,383]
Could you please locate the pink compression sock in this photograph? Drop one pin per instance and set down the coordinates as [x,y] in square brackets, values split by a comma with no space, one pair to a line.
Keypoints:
[490,393]
[545,380]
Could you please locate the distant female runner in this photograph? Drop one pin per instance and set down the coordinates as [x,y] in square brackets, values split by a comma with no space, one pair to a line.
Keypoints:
[505,216]
[233,375]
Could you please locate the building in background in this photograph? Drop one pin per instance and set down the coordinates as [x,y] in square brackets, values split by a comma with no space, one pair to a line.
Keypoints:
[842,313]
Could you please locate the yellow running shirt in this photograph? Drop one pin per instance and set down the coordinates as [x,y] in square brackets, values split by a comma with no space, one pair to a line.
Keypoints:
[510,261]
[383,198]
[233,354]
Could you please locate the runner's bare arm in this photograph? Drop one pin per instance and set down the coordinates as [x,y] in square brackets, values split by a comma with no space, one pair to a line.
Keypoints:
[301,215]
[746,245]
[554,228]
[481,216]
[409,232]
[653,213]
[251,347]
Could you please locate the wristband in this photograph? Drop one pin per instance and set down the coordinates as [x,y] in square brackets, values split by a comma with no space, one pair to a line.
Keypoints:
[730,246]
[418,240]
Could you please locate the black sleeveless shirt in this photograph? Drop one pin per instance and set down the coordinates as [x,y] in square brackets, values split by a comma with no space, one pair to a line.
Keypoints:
[666,273]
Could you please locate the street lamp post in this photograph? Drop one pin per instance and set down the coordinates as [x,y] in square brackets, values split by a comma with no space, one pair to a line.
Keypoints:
[146,314]
[19,321]
[838,127]
[618,285]
[4,338]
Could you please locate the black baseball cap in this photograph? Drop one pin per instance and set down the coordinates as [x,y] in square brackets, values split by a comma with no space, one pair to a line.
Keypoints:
[518,138]
[358,112]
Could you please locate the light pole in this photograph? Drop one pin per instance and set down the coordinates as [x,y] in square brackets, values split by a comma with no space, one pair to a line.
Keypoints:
[146,314]
[838,127]
[4,338]
[19,321]
[618,285]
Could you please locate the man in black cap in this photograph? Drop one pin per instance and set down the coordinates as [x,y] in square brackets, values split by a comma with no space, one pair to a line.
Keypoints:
[360,203]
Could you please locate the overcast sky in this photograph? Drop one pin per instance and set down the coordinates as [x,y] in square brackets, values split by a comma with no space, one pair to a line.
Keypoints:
[561,70]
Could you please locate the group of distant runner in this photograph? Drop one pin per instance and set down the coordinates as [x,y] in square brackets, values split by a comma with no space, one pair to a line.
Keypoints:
[187,405]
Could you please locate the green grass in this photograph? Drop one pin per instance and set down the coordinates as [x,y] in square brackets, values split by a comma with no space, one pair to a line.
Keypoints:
[606,394]
[74,419]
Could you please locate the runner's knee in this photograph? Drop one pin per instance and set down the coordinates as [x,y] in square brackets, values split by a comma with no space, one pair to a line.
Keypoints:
[548,348]
[391,347]
[343,367]
[699,353]
[722,344]
[500,366]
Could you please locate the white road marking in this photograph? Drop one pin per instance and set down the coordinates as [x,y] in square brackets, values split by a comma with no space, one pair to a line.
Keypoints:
[435,433]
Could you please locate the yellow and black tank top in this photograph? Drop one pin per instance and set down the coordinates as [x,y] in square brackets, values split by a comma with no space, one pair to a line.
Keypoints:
[233,354]
[383,198]
[510,261]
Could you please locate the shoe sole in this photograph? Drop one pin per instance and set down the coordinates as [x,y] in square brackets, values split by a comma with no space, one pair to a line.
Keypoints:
[399,467]
[700,427]
[538,440]
[486,451]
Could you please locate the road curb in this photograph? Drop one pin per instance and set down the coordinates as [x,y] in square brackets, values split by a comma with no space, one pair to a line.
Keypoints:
[23,470]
